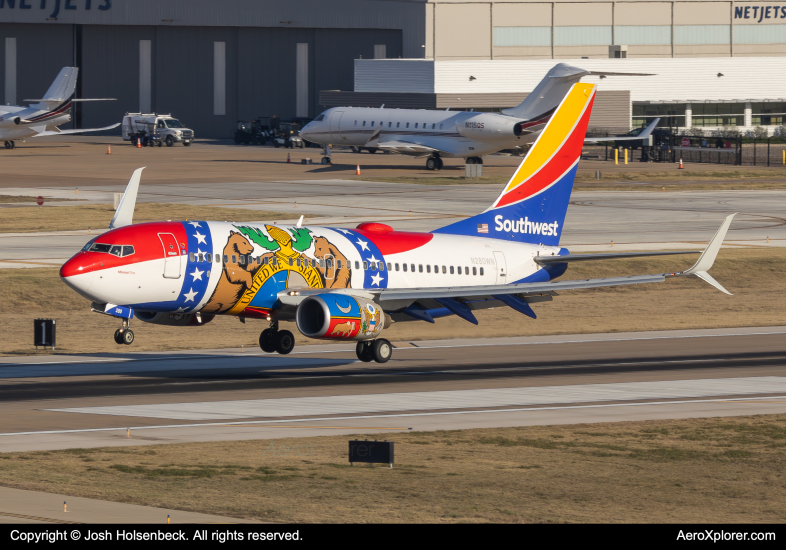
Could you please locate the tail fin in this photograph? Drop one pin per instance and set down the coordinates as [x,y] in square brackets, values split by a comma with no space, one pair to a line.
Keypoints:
[61,91]
[548,94]
[533,204]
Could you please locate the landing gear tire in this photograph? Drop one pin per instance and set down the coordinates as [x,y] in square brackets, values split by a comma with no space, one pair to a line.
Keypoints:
[285,341]
[9,144]
[431,164]
[267,341]
[118,337]
[128,337]
[440,164]
[363,351]
[170,141]
[326,160]
[381,350]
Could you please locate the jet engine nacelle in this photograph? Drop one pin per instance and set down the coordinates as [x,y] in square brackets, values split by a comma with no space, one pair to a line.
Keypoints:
[340,317]
[487,126]
[9,121]
[173,319]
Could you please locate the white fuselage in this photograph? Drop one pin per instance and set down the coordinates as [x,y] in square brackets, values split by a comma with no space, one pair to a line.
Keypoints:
[452,133]
[40,121]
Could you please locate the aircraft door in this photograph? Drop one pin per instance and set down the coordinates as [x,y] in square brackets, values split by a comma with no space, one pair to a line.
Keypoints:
[502,268]
[335,126]
[171,255]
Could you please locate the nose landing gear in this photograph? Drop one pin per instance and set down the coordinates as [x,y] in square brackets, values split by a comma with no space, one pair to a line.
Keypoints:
[326,159]
[434,162]
[379,350]
[124,335]
[279,341]
[10,145]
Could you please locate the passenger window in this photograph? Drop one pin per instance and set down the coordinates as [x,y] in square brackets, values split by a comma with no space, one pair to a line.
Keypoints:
[357,265]
[407,124]
[390,124]
[412,267]
[365,266]
[405,267]
[364,123]
[466,271]
[209,257]
[329,264]
[396,267]
[372,123]
[373,266]
[444,269]
[398,125]
[474,270]
[451,270]
[242,260]
[201,258]
[428,269]
[481,271]
[459,270]
[382,266]
[416,125]
[275,260]
[234,259]
[420,268]
[191,257]
[297,262]
[226,259]
[128,250]
[390,267]
[264,261]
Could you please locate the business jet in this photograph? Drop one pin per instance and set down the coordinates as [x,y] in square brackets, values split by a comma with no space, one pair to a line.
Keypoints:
[458,134]
[351,284]
[43,117]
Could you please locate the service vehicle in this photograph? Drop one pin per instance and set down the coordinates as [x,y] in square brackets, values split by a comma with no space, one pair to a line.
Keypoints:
[169,129]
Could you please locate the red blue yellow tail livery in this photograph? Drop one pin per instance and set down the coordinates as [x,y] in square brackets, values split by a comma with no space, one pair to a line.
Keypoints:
[352,284]
[532,206]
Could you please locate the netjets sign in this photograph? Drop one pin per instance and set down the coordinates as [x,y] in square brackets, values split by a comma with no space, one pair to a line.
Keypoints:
[759,13]
[55,5]
[523,225]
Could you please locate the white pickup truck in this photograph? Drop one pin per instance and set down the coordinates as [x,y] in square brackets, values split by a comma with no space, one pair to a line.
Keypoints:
[154,127]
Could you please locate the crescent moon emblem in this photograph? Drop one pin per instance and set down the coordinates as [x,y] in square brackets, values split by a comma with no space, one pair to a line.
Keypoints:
[345,309]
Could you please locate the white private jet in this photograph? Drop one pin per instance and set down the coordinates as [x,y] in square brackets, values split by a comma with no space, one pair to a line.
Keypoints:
[457,134]
[43,117]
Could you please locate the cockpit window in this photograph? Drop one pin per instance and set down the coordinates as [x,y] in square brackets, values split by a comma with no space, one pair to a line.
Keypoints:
[118,250]
[320,118]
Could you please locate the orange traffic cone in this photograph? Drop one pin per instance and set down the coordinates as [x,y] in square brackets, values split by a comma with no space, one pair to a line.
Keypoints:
[681,166]
[108,149]
[288,158]
[357,172]
[139,143]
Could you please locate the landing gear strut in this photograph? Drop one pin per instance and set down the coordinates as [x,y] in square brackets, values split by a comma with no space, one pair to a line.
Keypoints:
[10,145]
[274,340]
[434,163]
[124,335]
[326,159]
[378,350]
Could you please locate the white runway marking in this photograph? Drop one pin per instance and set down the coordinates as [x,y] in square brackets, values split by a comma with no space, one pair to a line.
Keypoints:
[460,399]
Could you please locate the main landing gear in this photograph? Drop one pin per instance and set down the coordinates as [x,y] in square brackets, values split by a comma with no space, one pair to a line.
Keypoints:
[273,340]
[124,335]
[434,163]
[474,160]
[378,350]
[10,145]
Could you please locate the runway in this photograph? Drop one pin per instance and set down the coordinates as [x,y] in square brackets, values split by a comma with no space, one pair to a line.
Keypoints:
[179,397]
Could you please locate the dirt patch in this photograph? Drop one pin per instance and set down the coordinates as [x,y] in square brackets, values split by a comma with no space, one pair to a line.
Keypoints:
[70,218]
[755,277]
[727,470]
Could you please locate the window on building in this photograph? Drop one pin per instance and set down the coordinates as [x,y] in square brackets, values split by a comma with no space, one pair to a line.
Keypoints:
[416,125]
[390,124]
[398,125]
[372,123]
[670,114]
[407,124]
[718,114]
[771,113]
[364,123]
[433,126]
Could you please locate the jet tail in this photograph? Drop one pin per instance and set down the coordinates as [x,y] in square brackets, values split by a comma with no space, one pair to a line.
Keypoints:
[61,91]
[533,204]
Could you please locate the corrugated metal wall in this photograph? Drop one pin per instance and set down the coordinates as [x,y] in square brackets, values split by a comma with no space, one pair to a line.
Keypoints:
[675,79]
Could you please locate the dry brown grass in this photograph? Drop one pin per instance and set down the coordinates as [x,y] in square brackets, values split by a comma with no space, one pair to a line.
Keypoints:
[728,470]
[755,277]
[70,218]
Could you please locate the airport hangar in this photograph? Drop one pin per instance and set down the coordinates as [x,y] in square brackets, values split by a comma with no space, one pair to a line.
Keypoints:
[718,64]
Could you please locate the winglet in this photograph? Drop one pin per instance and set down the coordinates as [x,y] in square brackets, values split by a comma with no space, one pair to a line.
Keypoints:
[125,211]
[648,130]
[707,258]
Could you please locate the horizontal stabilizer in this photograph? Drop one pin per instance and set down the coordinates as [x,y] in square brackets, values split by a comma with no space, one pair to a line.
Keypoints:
[546,260]
[643,135]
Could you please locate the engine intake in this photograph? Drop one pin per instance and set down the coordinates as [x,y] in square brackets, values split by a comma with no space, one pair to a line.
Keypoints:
[174,319]
[10,121]
[340,317]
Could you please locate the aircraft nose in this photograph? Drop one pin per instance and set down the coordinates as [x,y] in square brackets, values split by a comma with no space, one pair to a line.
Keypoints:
[74,275]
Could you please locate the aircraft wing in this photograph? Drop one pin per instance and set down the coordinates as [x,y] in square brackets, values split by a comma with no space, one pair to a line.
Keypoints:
[415,303]
[406,147]
[644,135]
[59,132]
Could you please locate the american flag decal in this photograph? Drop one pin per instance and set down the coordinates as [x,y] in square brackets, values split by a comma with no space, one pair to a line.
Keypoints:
[483,228]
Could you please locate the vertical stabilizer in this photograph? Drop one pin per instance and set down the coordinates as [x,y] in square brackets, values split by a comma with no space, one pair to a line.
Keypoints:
[533,204]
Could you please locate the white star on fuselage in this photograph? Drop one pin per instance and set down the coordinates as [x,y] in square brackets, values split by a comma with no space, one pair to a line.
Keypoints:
[372,259]
[197,274]
[200,238]
[344,231]
[195,224]
[363,244]
[190,295]
[375,279]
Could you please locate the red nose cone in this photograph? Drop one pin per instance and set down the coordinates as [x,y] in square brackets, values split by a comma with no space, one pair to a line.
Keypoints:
[373,227]
[72,267]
